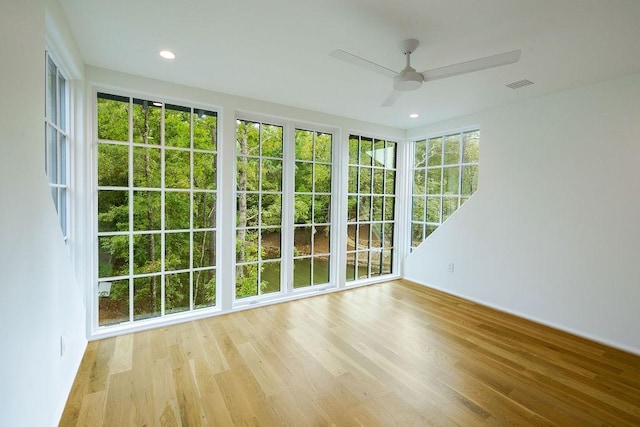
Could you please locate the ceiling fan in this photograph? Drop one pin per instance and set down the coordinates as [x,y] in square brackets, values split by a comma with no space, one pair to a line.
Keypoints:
[409,79]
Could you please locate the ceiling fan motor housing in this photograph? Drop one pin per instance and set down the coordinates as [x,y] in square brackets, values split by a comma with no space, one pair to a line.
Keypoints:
[408,80]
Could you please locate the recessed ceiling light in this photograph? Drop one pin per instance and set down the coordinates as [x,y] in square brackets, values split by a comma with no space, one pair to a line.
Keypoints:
[167,54]
[414,115]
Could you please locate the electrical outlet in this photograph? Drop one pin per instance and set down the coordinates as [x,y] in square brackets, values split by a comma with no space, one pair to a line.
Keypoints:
[451,267]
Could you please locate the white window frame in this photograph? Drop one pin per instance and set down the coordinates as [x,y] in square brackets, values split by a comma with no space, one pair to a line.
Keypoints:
[59,184]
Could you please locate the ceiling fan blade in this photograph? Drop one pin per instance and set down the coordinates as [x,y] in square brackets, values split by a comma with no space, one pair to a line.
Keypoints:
[361,62]
[391,98]
[473,65]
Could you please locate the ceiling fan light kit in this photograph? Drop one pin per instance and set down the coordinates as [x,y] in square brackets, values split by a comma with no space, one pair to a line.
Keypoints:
[409,79]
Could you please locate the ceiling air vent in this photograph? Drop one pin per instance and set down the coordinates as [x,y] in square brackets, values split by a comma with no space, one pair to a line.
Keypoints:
[519,84]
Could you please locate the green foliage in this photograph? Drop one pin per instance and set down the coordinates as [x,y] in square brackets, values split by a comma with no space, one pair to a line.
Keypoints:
[141,144]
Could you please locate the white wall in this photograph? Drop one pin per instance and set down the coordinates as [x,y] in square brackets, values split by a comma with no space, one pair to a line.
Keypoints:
[553,233]
[40,297]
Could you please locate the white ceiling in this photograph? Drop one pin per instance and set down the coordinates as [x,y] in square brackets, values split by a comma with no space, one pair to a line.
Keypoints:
[278,50]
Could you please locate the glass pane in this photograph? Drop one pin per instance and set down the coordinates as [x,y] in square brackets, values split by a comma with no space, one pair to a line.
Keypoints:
[388,236]
[321,240]
[204,288]
[113,256]
[302,241]
[113,302]
[204,210]
[376,263]
[323,147]
[320,270]
[113,210]
[52,154]
[364,238]
[353,179]
[248,174]
[113,118]
[471,150]
[270,277]
[351,266]
[462,200]
[387,259]
[419,181]
[177,210]
[352,208]
[62,210]
[322,209]
[176,293]
[247,138]
[271,209]
[469,180]
[378,154]
[247,245]
[51,91]
[378,181]
[271,175]
[204,171]
[417,231]
[452,149]
[247,210]
[434,181]
[302,208]
[304,145]
[177,126]
[390,161]
[434,155]
[62,173]
[351,236]
[365,180]
[147,253]
[389,208]
[449,206]
[146,167]
[390,182]
[146,210]
[147,297]
[113,165]
[322,178]
[420,154]
[246,280]
[204,249]
[451,180]
[304,177]
[301,272]
[271,141]
[376,235]
[429,229]
[205,131]
[366,151]
[362,259]
[433,209]
[353,150]
[146,122]
[270,243]
[177,169]
[62,103]
[417,209]
[377,208]
[177,248]
[54,196]
[364,208]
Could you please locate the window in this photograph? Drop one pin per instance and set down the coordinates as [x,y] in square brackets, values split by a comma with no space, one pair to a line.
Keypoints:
[312,208]
[445,175]
[259,208]
[56,123]
[371,207]
[156,209]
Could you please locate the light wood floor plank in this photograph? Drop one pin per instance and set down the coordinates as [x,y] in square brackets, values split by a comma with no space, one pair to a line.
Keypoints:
[393,354]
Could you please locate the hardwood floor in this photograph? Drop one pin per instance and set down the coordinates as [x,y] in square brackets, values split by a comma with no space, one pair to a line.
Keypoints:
[389,354]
